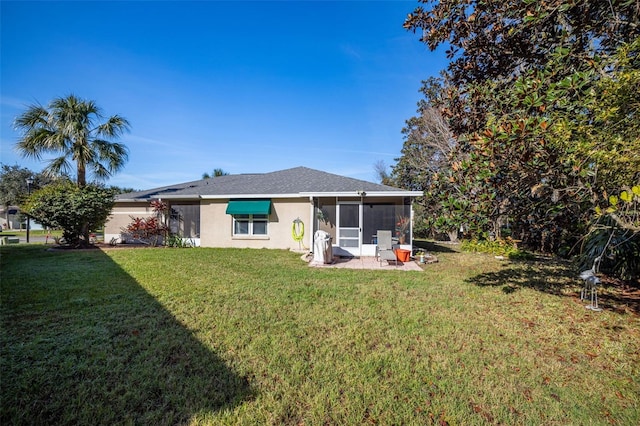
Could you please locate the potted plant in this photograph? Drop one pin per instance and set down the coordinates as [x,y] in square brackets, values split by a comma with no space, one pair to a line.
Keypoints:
[402,228]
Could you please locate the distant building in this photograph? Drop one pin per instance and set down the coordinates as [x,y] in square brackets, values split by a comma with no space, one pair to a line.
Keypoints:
[10,219]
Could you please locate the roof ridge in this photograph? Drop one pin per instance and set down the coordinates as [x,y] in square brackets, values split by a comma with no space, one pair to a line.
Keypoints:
[294,180]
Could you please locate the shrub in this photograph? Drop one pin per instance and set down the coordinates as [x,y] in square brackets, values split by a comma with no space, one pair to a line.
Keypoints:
[499,247]
[150,229]
[614,236]
[75,210]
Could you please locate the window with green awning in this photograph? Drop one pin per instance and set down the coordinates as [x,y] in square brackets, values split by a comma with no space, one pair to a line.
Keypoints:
[249,207]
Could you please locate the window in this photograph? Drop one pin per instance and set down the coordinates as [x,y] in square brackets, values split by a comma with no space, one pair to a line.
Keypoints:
[184,220]
[250,224]
[250,217]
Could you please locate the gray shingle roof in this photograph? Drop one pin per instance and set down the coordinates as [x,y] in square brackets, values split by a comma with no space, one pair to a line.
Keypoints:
[290,181]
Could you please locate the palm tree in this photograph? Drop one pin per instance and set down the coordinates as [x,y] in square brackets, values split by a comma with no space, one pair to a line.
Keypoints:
[70,129]
[216,173]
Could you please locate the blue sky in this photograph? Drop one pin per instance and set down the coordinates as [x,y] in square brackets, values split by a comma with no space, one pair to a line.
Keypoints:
[242,86]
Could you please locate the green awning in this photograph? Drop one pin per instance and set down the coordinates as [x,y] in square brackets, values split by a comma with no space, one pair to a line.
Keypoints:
[249,207]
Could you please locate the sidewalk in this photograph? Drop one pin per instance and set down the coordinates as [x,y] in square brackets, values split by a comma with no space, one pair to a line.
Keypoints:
[23,238]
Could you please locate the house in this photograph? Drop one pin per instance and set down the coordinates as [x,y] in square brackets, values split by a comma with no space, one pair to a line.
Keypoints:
[12,219]
[269,210]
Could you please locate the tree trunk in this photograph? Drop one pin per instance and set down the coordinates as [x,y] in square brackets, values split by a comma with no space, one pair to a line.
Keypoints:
[81,179]
[84,241]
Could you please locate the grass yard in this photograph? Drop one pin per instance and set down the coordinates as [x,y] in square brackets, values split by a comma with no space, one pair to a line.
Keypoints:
[32,232]
[226,336]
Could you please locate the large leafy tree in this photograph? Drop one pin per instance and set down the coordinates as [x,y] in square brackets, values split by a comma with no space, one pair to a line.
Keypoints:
[13,185]
[74,131]
[428,143]
[551,145]
[496,40]
[528,98]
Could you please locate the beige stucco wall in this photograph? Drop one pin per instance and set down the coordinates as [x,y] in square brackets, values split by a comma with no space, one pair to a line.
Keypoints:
[121,216]
[216,227]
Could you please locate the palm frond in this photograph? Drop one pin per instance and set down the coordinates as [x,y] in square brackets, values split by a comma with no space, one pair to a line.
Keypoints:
[100,171]
[34,143]
[114,127]
[114,154]
[73,115]
[36,116]
[55,141]
[58,167]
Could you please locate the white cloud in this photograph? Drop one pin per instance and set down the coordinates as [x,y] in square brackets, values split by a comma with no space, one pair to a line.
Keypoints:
[148,141]
[15,103]
[350,52]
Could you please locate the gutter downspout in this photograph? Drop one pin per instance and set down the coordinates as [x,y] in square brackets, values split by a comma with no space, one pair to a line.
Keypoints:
[312,222]
[360,221]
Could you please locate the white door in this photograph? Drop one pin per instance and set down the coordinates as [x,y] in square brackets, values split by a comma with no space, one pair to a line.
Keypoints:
[350,227]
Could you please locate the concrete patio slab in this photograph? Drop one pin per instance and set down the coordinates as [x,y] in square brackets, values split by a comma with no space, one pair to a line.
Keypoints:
[367,262]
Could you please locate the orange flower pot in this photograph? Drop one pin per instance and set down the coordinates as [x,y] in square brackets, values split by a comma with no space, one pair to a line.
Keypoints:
[403,255]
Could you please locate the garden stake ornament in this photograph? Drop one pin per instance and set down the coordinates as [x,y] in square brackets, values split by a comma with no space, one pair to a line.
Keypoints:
[591,282]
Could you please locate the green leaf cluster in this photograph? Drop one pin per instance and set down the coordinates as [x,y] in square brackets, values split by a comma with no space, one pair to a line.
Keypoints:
[542,101]
[614,234]
[75,210]
[13,183]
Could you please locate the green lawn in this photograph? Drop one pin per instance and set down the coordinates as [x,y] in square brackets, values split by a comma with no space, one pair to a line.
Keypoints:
[32,232]
[225,336]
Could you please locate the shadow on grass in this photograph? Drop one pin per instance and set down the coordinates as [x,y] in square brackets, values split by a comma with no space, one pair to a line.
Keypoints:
[557,278]
[83,343]
[435,246]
